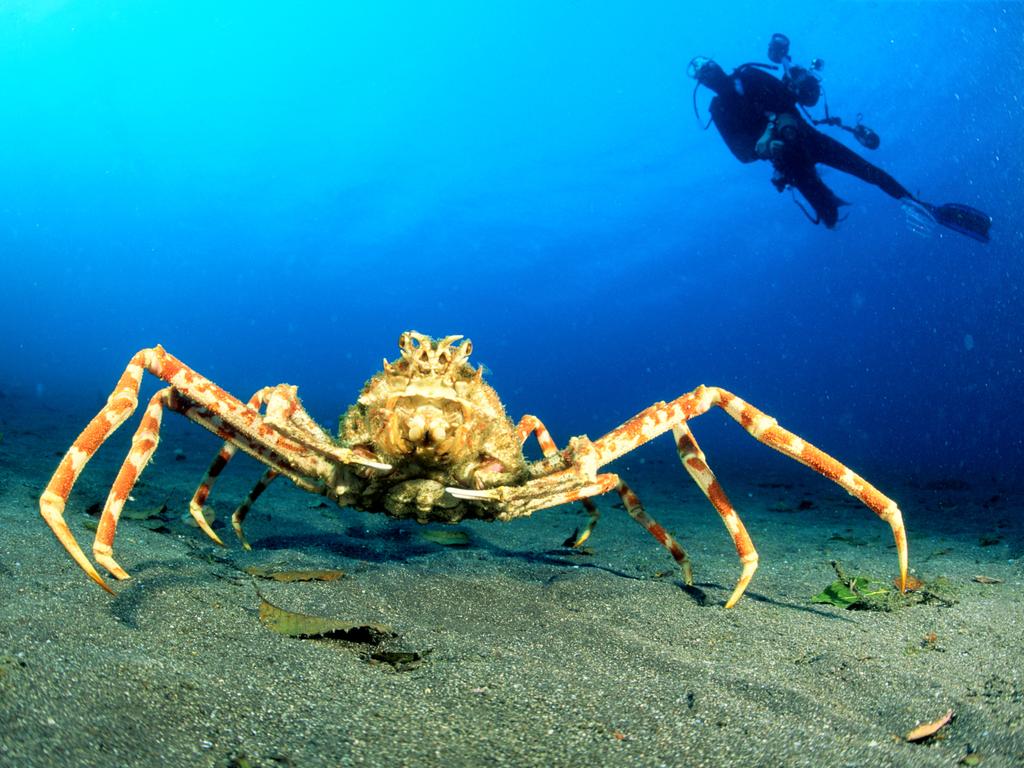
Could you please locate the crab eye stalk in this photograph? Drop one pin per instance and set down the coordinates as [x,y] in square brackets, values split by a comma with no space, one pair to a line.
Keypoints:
[438,430]
[415,428]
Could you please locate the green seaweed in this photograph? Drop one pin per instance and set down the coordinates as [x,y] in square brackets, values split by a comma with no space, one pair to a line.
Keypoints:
[841,593]
[866,593]
[859,593]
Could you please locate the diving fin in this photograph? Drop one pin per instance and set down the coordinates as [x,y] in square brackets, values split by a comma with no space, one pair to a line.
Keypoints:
[963,219]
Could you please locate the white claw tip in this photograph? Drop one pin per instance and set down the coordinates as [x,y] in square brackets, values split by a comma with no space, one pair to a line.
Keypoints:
[466,493]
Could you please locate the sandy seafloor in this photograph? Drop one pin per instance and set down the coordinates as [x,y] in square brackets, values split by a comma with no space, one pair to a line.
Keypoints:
[536,656]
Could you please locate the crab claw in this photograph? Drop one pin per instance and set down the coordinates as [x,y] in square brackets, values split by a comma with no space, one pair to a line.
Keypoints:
[373,464]
[473,495]
[51,506]
[355,457]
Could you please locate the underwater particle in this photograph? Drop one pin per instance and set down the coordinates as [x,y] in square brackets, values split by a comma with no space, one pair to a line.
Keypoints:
[968,342]
[927,729]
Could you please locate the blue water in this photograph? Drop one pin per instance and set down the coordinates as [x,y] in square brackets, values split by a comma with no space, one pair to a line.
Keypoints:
[276,192]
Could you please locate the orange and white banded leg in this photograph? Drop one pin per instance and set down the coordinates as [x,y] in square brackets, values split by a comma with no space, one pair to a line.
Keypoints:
[120,405]
[530,424]
[765,429]
[200,400]
[144,442]
[285,412]
[637,512]
[565,487]
[196,506]
[662,417]
[238,517]
[696,464]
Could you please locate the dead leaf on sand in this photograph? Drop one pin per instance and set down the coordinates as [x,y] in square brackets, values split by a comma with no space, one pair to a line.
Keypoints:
[266,572]
[446,538]
[927,729]
[303,625]
[981,579]
[149,513]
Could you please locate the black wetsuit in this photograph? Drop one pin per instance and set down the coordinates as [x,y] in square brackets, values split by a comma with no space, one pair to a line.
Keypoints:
[742,114]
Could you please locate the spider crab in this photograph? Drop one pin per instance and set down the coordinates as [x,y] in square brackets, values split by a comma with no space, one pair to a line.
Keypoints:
[427,439]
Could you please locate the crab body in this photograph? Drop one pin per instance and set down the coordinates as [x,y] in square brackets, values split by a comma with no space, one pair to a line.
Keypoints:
[433,419]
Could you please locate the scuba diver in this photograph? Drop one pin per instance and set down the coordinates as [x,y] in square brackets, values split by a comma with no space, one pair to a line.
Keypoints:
[762,117]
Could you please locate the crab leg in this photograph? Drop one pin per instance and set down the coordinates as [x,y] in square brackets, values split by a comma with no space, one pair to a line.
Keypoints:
[120,405]
[197,505]
[531,424]
[696,464]
[243,509]
[573,473]
[144,442]
[662,417]
[227,451]
[636,511]
[524,500]
[630,500]
[281,464]
[564,487]
[213,408]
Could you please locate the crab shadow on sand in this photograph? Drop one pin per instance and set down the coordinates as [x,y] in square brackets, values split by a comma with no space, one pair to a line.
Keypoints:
[399,544]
